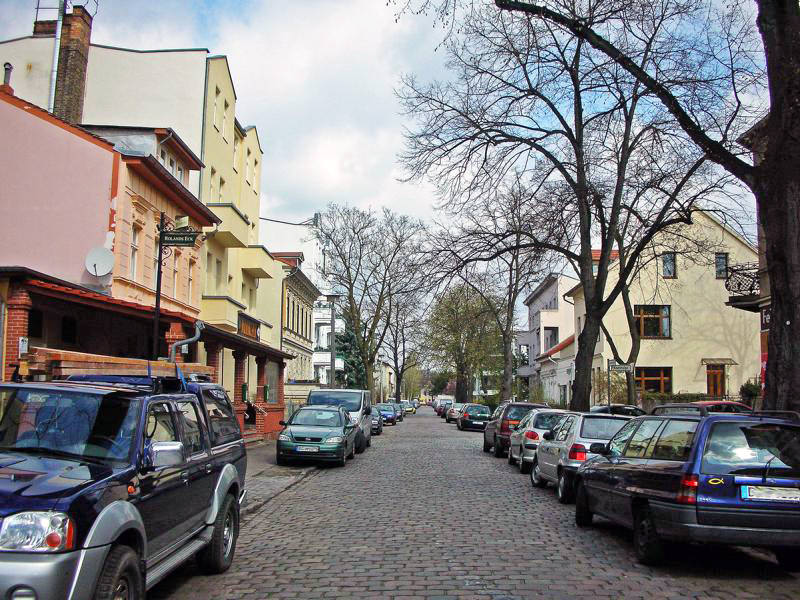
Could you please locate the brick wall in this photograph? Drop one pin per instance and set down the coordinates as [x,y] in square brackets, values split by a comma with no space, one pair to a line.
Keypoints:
[76,32]
[19,306]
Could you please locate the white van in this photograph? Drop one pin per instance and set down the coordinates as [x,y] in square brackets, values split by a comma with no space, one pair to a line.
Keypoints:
[358,404]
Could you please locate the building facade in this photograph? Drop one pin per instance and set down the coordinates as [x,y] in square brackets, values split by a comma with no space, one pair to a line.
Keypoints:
[691,341]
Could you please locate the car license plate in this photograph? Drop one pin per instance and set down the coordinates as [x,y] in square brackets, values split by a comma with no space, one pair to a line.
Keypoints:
[307,449]
[780,494]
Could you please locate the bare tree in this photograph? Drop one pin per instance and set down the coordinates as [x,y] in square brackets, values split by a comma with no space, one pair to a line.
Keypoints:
[370,258]
[588,151]
[404,336]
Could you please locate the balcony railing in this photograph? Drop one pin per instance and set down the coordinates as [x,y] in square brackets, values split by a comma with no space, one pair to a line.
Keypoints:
[742,280]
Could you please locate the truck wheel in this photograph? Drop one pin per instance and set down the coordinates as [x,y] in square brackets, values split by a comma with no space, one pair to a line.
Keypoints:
[217,556]
[646,541]
[121,576]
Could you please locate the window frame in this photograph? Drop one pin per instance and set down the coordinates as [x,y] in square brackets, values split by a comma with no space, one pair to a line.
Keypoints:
[662,388]
[717,255]
[134,257]
[200,420]
[640,316]
[655,435]
[669,421]
[674,265]
[175,426]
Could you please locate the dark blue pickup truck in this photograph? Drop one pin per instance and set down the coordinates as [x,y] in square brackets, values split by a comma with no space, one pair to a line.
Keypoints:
[685,474]
[107,486]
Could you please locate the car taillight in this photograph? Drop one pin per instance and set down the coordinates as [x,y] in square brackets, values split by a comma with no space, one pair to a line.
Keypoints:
[577,452]
[504,426]
[531,435]
[687,492]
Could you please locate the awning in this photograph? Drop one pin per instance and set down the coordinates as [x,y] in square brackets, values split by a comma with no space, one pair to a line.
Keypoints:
[236,341]
[718,361]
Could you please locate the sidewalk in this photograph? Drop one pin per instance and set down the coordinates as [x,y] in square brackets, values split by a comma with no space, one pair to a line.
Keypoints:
[265,479]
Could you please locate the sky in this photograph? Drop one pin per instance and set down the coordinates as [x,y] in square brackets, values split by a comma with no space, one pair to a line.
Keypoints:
[317,78]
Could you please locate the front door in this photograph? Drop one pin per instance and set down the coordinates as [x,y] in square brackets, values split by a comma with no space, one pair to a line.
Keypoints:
[715,380]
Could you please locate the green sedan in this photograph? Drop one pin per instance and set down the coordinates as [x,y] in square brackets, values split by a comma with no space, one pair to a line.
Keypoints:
[319,433]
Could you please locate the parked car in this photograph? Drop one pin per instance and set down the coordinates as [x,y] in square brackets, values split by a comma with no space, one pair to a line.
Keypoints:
[443,408]
[408,407]
[473,416]
[525,437]
[358,404]
[618,409]
[416,402]
[498,429]
[388,412]
[716,478]
[567,446]
[399,411]
[319,433]
[702,406]
[377,422]
[103,480]
[453,411]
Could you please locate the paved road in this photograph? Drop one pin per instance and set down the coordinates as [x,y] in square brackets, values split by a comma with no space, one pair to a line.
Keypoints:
[425,513]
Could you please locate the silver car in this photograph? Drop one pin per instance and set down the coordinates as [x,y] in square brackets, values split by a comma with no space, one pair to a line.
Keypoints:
[566,447]
[452,412]
[526,436]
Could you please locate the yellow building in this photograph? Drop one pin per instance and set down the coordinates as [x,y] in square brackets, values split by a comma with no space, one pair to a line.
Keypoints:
[691,340]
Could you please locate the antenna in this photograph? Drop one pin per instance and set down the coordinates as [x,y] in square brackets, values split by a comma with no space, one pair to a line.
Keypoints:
[99,261]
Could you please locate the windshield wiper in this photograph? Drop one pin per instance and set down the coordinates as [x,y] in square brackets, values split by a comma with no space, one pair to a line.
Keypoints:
[50,451]
[766,470]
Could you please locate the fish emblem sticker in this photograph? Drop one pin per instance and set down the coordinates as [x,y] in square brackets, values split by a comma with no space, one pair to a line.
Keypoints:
[716,481]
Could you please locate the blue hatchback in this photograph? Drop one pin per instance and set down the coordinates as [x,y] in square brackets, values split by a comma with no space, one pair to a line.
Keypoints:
[686,475]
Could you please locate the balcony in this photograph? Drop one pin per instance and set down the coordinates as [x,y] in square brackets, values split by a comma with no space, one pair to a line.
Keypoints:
[255,261]
[222,311]
[744,284]
[234,230]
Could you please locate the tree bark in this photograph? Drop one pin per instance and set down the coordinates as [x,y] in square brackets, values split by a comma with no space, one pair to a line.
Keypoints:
[398,376]
[582,384]
[507,384]
[462,386]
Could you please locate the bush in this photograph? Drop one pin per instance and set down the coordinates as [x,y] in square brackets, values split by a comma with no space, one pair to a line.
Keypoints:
[749,392]
[652,399]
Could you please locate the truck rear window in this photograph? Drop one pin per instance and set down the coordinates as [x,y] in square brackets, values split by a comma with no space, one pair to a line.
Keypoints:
[601,428]
[752,448]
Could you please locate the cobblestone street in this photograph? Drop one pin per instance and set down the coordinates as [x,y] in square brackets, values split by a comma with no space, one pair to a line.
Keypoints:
[425,513]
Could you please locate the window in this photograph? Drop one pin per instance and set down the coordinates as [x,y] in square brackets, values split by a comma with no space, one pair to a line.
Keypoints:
[601,428]
[193,429]
[225,106]
[221,419]
[172,166]
[653,320]
[617,443]
[637,448]
[216,108]
[179,175]
[550,337]
[746,448]
[675,441]
[175,275]
[190,282]
[69,330]
[669,266]
[654,379]
[134,253]
[563,430]
[162,157]
[721,265]
[160,426]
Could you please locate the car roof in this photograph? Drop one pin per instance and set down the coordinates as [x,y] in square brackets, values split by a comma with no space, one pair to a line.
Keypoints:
[86,388]
[320,407]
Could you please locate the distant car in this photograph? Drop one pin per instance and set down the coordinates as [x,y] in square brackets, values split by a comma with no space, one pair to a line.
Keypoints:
[408,407]
[415,402]
[377,422]
[443,408]
[453,412]
[618,409]
[567,446]
[525,437]
[399,410]
[388,412]
[498,429]
[473,416]
[699,477]
[319,433]
[708,406]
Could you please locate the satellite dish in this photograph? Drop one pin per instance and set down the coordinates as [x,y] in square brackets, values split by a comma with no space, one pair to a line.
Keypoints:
[99,261]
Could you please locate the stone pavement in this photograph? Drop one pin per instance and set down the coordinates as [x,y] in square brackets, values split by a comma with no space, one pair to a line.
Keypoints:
[425,513]
[265,479]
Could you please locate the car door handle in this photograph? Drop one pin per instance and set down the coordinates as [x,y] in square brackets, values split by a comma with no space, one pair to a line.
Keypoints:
[208,468]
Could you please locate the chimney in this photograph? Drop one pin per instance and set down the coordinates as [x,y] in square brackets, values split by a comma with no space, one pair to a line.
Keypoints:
[73,57]
[6,87]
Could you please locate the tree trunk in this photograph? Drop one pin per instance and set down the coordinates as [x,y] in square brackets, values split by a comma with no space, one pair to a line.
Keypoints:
[507,384]
[462,387]
[398,377]
[370,373]
[582,384]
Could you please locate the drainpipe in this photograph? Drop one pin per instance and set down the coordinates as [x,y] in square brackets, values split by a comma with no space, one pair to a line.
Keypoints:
[198,329]
[56,52]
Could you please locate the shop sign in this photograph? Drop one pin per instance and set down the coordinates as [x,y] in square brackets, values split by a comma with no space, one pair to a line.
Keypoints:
[179,238]
[765,315]
[249,327]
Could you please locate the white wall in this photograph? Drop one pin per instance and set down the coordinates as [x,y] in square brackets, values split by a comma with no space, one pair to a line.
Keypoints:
[32,59]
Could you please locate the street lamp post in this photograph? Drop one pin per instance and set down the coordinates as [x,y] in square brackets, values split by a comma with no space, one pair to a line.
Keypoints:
[332,299]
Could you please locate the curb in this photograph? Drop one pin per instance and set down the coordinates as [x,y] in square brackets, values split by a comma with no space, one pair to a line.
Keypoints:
[256,506]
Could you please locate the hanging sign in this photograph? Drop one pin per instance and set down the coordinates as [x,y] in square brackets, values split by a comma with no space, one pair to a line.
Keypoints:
[179,238]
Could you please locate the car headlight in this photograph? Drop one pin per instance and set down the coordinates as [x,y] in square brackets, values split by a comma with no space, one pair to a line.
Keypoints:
[336,439]
[37,532]
[284,437]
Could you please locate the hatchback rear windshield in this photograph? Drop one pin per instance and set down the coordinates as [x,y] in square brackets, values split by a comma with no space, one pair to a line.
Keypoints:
[601,428]
[477,410]
[517,412]
[752,449]
[546,420]
[350,400]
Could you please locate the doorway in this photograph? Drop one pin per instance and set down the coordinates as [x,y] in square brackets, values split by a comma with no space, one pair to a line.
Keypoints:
[715,380]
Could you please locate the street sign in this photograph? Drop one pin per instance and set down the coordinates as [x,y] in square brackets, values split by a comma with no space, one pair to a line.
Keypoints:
[179,238]
[620,368]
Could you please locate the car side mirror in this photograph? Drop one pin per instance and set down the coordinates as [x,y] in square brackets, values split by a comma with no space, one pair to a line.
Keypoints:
[164,454]
[547,435]
[282,423]
[599,448]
